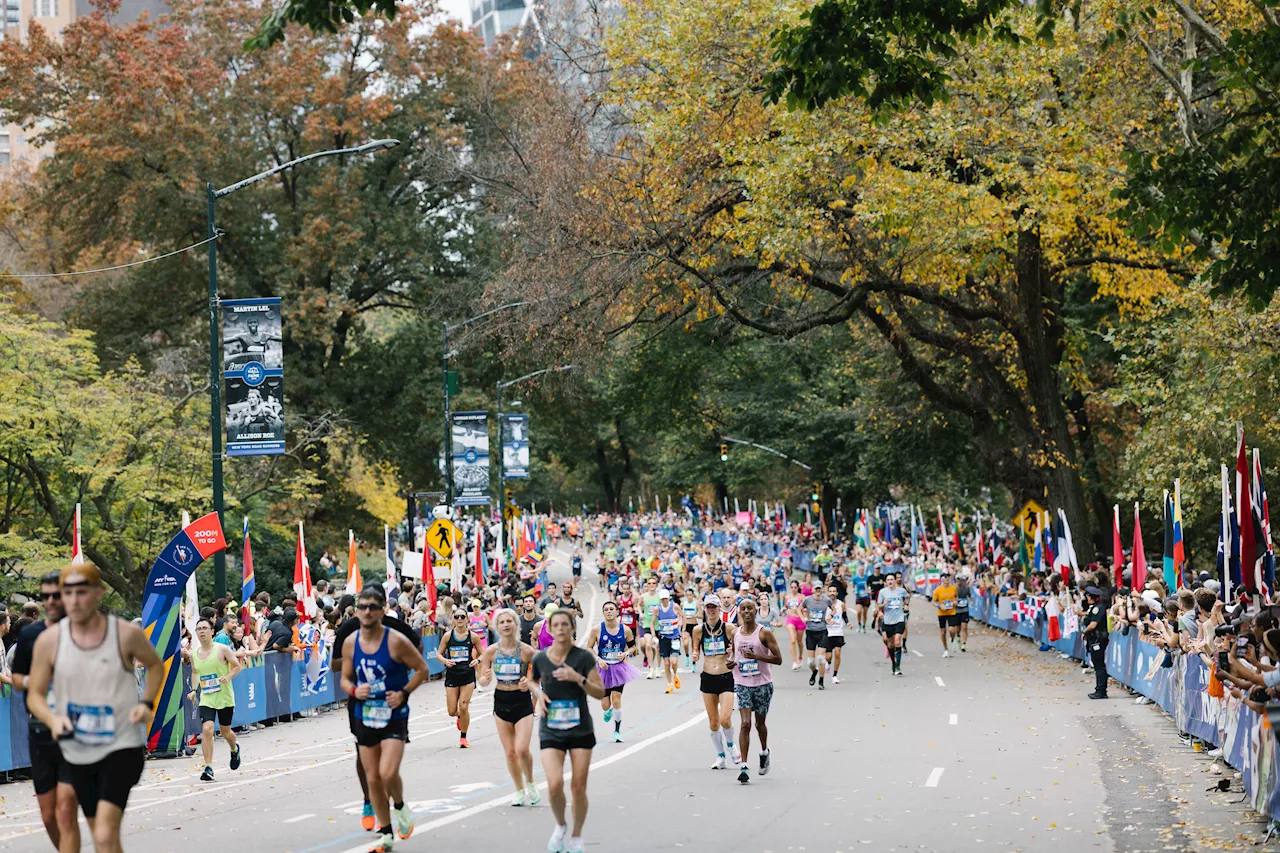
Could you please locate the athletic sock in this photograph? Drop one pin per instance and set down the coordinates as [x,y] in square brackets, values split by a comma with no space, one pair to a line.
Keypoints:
[617,720]
[385,830]
[727,736]
[717,742]
[399,806]
[464,734]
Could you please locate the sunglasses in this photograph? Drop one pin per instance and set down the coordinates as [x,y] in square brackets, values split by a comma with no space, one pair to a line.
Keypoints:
[368,606]
[51,596]
[459,616]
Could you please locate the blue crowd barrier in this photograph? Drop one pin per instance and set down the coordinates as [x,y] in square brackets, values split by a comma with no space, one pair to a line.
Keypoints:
[274,685]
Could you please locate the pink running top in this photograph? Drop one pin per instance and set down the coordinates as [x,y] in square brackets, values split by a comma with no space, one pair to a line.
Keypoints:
[750,673]
[545,639]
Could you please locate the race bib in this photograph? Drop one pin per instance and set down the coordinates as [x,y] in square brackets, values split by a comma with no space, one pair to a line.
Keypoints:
[893,604]
[667,626]
[815,616]
[563,714]
[459,654]
[713,646]
[95,725]
[507,669]
[209,684]
[962,603]
[748,667]
[375,713]
[612,655]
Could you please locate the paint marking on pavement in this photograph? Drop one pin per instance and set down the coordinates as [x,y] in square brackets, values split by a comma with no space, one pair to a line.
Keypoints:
[916,653]
[300,817]
[349,805]
[955,720]
[938,678]
[933,778]
[505,800]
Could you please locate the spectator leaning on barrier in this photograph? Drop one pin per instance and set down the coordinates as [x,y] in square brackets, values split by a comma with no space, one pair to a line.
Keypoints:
[280,632]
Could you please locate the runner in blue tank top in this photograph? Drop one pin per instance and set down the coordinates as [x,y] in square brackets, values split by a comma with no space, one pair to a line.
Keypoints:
[376,666]
[613,642]
[668,621]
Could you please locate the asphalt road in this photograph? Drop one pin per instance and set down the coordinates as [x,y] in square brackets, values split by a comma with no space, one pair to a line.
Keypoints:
[996,748]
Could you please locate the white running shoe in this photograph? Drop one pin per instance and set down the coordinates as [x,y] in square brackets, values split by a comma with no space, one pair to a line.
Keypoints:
[795,664]
[946,654]
[835,679]
[403,821]
[574,845]
[555,844]
[517,799]
[720,764]
[531,795]
[383,843]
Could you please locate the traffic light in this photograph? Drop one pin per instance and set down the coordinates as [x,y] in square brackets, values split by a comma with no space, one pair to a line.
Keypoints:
[724,452]
[817,492]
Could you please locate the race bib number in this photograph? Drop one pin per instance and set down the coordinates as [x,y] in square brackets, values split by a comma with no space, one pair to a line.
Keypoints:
[667,626]
[375,713]
[459,654]
[893,604]
[749,667]
[962,603]
[209,684]
[713,646]
[95,725]
[815,616]
[507,670]
[563,714]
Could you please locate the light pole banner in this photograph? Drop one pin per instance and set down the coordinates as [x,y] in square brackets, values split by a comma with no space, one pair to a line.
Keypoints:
[515,446]
[253,364]
[470,458]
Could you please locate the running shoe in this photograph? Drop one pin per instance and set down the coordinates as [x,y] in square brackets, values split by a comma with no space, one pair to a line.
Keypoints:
[617,737]
[403,821]
[813,677]
[650,674]
[462,743]
[821,685]
[531,795]
[367,821]
[744,775]
[962,648]
[898,672]
[946,654]
[764,763]
[608,715]
[795,664]
[669,689]
[574,845]
[835,679]
[677,682]
[517,799]
[720,764]
[555,844]
[383,843]
[207,775]
[235,758]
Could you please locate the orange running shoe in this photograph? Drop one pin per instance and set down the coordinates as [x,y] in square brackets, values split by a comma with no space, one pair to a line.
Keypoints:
[367,822]
[462,744]
[677,682]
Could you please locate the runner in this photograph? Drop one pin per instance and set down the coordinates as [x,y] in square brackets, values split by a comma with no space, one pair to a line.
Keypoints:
[528,618]
[891,612]
[755,650]
[380,682]
[611,642]
[459,652]
[648,638]
[508,660]
[816,607]
[367,820]
[90,661]
[906,611]
[835,632]
[861,598]
[627,614]
[944,598]
[213,665]
[565,676]
[711,641]
[795,624]
[963,592]
[575,565]
[51,775]
[689,616]
[667,624]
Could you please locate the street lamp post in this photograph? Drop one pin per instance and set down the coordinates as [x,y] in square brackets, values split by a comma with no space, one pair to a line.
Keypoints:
[215,375]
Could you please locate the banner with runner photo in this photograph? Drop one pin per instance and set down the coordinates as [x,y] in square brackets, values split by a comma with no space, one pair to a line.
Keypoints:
[515,446]
[253,364]
[470,458]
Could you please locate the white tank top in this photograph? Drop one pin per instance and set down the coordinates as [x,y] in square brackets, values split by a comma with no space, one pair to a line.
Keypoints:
[96,692]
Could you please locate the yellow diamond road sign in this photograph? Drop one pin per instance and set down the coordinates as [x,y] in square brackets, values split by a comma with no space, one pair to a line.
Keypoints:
[441,535]
[1026,517]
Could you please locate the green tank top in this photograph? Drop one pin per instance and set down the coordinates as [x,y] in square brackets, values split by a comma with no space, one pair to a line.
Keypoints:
[212,693]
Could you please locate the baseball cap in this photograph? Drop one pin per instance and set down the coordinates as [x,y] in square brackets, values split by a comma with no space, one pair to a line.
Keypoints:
[710,601]
[664,593]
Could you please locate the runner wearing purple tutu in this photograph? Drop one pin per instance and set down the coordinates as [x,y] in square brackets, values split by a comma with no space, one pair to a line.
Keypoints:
[611,641]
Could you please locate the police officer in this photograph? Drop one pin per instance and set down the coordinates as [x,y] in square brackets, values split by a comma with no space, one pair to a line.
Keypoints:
[1096,638]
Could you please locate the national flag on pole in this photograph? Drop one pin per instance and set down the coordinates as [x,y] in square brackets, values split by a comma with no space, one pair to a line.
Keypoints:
[915,531]
[302,580]
[1024,555]
[1050,542]
[455,560]
[1262,514]
[1170,572]
[479,561]
[955,535]
[1179,548]
[1068,545]
[1061,560]
[77,554]
[942,532]
[977,537]
[1249,552]
[247,585]
[1037,555]
[391,585]
[1053,613]
[191,597]
[1226,539]
[353,566]
[1139,554]
[1117,549]
[429,579]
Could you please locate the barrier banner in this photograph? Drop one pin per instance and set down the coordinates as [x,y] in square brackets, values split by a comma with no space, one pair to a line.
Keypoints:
[470,458]
[161,619]
[515,446]
[253,364]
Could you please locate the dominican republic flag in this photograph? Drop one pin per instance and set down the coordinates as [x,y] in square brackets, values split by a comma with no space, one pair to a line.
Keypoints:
[1262,525]
[1139,554]
[302,580]
[1250,550]
[247,584]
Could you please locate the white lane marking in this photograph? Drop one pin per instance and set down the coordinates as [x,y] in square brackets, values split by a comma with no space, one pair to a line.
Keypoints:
[505,800]
[917,654]
[346,756]
[300,817]
[938,678]
[955,720]
[933,778]
[349,805]
[471,787]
